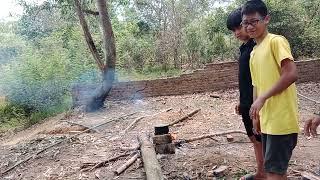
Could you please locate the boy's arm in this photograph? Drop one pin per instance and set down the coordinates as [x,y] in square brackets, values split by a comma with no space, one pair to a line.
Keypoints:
[255,117]
[254,94]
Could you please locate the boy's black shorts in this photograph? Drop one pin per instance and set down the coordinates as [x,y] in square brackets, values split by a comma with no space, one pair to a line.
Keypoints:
[277,150]
[248,122]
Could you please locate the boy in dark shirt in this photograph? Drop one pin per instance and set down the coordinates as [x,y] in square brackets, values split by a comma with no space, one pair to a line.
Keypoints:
[245,87]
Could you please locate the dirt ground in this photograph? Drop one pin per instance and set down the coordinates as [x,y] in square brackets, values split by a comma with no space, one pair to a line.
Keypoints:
[191,160]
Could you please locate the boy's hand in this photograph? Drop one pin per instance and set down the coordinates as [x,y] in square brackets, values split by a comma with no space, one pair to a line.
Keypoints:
[256,126]
[237,109]
[254,114]
[256,107]
[310,127]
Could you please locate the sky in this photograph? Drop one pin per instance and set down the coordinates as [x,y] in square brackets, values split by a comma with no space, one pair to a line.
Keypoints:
[8,7]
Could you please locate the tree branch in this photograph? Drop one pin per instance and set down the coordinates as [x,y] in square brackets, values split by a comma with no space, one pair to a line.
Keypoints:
[88,36]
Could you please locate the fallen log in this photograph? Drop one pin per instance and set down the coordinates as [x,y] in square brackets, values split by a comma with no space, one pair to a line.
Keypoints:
[127,164]
[78,124]
[149,158]
[132,124]
[185,117]
[208,136]
[59,142]
[103,163]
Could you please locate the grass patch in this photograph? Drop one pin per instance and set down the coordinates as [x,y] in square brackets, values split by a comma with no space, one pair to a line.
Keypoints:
[13,117]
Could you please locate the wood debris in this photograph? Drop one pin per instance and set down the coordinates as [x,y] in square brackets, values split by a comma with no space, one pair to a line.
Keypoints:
[127,164]
[185,117]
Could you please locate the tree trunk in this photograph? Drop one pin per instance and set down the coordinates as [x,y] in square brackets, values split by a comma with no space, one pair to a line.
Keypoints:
[100,94]
[108,37]
[108,69]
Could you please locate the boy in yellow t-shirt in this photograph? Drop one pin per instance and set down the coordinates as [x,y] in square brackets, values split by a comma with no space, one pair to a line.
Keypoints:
[274,110]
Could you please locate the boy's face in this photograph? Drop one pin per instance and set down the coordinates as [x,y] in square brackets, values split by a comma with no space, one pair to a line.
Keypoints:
[240,33]
[254,24]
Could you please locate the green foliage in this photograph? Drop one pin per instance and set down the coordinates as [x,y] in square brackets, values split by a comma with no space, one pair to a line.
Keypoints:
[134,46]
[147,74]
[302,31]
[208,39]
[192,42]
[12,116]
[10,44]
[38,21]
[38,79]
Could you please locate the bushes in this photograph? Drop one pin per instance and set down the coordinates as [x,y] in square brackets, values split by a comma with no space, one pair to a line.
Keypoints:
[12,116]
[36,83]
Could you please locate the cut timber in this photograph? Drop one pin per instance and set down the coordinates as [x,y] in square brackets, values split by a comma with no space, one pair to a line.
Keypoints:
[209,136]
[78,124]
[309,176]
[127,164]
[149,158]
[103,163]
[162,139]
[133,123]
[165,148]
[185,117]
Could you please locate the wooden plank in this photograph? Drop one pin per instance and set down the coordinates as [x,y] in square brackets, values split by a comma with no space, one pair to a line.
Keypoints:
[149,158]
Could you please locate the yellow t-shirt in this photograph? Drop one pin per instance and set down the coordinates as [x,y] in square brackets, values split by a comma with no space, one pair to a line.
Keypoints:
[279,115]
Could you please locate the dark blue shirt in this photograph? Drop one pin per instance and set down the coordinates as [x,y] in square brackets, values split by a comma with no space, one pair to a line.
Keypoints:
[245,82]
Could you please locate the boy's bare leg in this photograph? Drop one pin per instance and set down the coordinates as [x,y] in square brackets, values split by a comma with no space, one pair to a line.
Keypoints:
[257,146]
[273,176]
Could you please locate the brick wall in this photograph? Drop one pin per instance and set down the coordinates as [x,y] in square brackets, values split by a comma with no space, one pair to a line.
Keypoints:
[213,77]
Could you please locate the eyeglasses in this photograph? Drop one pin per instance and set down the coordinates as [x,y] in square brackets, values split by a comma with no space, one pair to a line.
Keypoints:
[252,22]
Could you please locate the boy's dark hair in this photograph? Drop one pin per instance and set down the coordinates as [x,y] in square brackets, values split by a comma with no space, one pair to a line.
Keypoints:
[255,6]
[234,19]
